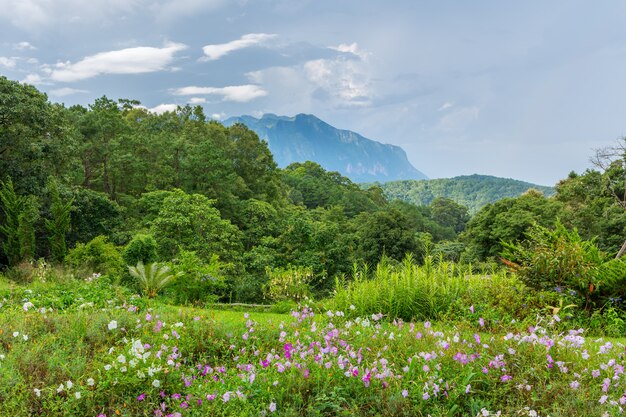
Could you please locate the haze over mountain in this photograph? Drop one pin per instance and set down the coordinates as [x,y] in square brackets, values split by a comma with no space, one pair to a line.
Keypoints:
[305,137]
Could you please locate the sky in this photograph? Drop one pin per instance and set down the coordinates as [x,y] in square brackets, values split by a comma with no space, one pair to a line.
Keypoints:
[525,90]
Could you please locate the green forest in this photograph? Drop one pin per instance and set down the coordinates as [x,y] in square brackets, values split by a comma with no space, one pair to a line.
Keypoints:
[472,191]
[97,189]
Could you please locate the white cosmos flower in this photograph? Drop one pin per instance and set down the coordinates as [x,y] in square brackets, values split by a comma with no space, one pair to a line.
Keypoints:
[112,325]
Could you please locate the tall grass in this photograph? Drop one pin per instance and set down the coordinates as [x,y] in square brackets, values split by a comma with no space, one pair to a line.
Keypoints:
[407,290]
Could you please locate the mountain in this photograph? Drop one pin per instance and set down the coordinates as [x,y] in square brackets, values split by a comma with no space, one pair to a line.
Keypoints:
[304,137]
[472,191]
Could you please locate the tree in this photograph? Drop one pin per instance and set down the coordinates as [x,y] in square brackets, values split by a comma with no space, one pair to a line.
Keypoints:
[102,129]
[36,138]
[92,214]
[254,163]
[449,213]
[612,160]
[59,225]
[591,208]
[508,220]
[386,232]
[27,218]
[18,227]
[191,222]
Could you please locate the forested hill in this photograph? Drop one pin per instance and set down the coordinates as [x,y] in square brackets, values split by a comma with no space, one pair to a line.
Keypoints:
[304,137]
[473,191]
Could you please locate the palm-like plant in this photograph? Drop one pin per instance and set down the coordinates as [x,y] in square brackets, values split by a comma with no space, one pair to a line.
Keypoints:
[151,277]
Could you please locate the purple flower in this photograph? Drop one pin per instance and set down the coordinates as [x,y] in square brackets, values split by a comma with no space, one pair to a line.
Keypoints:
[288,348]
[405,393]
[141,397]
[481,321]
[472,308]
[272,407]
[505,378]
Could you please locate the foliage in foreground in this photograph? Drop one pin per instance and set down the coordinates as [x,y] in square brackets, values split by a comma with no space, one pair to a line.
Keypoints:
[435,290]
[561,260]
[156,360]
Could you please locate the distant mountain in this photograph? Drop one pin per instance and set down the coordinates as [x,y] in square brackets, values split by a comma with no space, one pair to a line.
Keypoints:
[472,191]
[304,137]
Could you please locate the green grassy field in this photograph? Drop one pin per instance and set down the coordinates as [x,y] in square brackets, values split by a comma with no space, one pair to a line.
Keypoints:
[113,353]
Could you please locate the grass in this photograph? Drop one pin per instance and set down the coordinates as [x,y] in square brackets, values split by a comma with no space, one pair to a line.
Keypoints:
[104,360]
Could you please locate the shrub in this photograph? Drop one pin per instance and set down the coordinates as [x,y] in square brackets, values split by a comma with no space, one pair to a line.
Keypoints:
[142,248]
[199,282]
[403,290]
[152,278]
[97,256]
[291,283]
[560,260]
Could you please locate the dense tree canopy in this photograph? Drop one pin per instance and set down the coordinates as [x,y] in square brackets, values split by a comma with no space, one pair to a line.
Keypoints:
[113,178]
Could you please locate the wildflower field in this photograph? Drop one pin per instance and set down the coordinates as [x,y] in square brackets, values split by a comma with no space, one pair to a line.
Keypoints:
[97,350]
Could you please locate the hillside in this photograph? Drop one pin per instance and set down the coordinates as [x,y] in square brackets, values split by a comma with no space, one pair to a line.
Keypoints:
[472,191]
[306,138]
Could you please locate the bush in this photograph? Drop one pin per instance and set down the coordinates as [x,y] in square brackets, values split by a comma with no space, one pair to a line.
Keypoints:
[291,283]
[403,290]
[199,282]
[560,260]
[152,278]
[97,256]
[141,248]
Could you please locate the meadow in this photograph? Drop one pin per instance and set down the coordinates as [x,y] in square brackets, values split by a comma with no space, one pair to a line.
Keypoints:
[93,348]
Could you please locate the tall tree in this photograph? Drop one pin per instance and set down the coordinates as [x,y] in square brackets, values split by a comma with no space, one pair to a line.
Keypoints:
[612,160]
[18,227]
[59,225]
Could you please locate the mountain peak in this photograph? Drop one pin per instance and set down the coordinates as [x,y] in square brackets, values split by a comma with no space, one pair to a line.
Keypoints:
[305,137]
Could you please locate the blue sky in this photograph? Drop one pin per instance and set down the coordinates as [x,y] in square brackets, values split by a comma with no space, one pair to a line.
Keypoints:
[523,90]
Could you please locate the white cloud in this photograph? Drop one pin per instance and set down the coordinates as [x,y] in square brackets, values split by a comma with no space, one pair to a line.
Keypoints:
[218,116]
[214,52]
[343,79]
[353,49]
[21,46]
[32,79]
[336,83]
[66,91]
[445,106]
[137,60]
[162,108]
[238,93]
[197,100]
[7,62]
